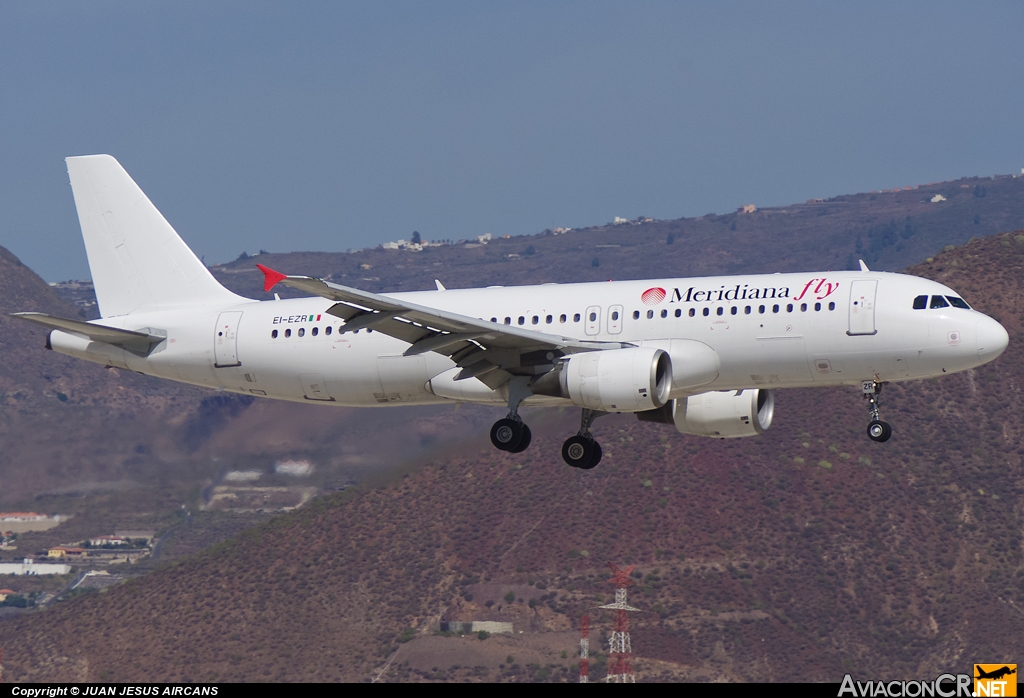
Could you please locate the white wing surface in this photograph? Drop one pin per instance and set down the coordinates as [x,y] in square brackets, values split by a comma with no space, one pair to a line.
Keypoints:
[489,351]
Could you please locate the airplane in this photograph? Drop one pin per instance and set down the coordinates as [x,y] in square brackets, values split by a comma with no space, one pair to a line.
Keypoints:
[702,354]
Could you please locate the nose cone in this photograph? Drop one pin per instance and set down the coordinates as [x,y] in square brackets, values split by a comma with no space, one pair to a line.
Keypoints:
[992,339]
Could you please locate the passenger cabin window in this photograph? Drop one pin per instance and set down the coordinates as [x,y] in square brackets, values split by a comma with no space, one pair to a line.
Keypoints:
[508,321]
[287,333]
[707,311]
[692,312]
[939,302]
[760,309]
[721,310]
[522,320]
[316,331]
[789,307]
[803,307]
[535,320]
[494,319]
[548,319]
[817,307]
[921,302]
[735,309]
[650,314]
[636,314]
[958,302]
[832,306]
[328,330]
[615,315]
[274,334]
[576,317]
[561,318]
[593,317]
[775,308]
[302,331]
[664,313]
[746,311]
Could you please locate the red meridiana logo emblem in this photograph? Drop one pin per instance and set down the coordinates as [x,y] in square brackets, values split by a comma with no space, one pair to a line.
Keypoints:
[653,296]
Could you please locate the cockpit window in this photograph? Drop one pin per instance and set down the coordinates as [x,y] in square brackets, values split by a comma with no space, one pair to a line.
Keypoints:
[938,302]
[958,302]
[921,302]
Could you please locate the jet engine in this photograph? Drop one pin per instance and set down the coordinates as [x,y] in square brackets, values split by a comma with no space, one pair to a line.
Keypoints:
[720,414]
[615,380]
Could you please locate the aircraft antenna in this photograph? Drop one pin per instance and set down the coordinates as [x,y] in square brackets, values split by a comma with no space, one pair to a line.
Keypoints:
[585,649]
[620,665]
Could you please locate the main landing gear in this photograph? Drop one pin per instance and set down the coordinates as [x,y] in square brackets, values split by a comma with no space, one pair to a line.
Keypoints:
[511,434]
[877,429]
[582,450]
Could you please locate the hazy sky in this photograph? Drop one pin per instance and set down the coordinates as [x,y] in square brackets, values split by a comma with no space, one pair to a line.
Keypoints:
[328,126]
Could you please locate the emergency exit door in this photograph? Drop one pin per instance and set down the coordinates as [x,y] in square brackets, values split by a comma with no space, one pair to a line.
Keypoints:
[225,340]
[862,307]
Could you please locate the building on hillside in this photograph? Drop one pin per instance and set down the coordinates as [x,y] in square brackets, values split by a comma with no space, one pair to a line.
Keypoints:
[475,626]
[64,551]
[107,541]
[29,567]
[22,516]
[747,208]
[147,536]
[4,593]
[937,198]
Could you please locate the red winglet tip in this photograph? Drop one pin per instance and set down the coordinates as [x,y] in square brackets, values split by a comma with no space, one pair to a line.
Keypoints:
[270,277]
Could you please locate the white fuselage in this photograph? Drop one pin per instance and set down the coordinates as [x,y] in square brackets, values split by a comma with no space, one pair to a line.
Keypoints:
[778,330]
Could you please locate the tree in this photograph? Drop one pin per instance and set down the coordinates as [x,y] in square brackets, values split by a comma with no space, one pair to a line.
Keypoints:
[416,239]
[510,596]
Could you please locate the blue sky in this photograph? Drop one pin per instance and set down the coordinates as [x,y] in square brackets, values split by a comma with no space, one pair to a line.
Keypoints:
[329,126]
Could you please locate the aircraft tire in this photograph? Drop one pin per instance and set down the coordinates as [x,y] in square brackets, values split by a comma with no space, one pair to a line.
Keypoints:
[595,459]
[879,431]
[506,434]
[578,451]
[524,441]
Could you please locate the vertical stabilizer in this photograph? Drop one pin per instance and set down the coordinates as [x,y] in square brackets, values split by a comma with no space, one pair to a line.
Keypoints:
[137,260]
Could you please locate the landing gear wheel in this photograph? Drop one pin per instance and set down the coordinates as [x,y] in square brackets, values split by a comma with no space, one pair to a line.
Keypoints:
[595,459]
[578,451]
[879,431]
[524,441]
[506,434]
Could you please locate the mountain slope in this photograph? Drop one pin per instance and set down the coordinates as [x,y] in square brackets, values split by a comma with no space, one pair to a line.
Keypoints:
[799,555]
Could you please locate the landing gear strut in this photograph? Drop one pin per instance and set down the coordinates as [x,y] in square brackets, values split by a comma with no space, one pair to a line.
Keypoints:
[511,433]
[582,451]
[877,429]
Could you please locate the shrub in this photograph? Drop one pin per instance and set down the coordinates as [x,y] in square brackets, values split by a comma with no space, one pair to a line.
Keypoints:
[510,596]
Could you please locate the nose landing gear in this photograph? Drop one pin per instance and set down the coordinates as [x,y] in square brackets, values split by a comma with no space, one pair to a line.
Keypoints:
[877,429]
[582,450]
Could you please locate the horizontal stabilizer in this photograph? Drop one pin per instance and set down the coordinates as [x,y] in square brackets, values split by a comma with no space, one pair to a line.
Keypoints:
[135,342]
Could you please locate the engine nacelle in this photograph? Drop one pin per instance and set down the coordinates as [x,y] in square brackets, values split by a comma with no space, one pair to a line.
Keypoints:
[694,363]
[616,380]
[721,415]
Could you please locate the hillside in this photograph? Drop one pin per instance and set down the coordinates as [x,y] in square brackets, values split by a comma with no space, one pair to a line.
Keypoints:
[889,230]
[799,555]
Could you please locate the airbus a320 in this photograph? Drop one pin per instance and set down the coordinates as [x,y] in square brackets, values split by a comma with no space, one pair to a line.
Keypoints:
[702,354]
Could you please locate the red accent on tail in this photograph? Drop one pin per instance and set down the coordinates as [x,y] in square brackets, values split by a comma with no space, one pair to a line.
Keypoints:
[270,277]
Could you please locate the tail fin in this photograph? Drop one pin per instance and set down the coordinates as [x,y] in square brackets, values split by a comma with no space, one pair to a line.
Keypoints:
[137,260]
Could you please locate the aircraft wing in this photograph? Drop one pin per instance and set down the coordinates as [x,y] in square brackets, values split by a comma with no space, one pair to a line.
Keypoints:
[137,342]
[489,351]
